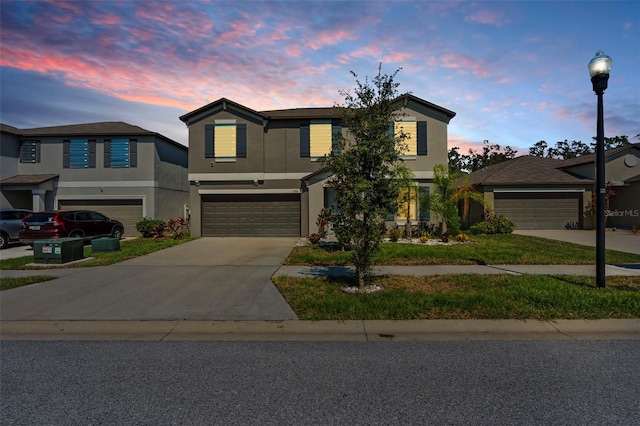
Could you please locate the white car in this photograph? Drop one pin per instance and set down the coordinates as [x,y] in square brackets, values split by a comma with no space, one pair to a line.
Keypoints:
[10,221]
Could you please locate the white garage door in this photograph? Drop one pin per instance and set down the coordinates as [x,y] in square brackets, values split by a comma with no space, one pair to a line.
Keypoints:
[539,210]
[273,215]
[129,212]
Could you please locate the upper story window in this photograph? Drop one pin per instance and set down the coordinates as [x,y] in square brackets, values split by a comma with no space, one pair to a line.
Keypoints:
[416,135]
[120,153]
[225,140]
[317,138]
[30,151]
[79,154]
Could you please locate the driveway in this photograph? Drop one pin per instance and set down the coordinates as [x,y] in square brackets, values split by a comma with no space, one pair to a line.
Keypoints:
[620,240]
[206,279]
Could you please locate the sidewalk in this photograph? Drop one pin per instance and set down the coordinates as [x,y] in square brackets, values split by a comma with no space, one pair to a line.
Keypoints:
[352,331]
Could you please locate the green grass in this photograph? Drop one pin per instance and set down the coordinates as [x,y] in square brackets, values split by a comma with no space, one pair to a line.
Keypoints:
[508,249]
[464,297]
[129,249]
[7,283]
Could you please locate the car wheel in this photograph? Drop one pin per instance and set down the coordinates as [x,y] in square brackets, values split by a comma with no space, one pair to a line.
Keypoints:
[75,234]
[117,233]
[4,240]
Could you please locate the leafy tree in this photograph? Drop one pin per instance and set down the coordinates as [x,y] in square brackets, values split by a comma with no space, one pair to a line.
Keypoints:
[448,190]
[477,160]
[611,143]
[539,149]
[565,150]
[367,169]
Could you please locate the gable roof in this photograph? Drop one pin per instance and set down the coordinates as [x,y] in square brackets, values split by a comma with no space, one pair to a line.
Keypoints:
[591,158]
[525,170]
[305,113]
[111,128]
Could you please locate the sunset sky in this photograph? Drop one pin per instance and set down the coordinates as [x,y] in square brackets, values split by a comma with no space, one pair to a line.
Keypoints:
[515,72]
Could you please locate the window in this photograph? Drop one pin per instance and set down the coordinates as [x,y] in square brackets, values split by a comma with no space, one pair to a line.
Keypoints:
[79,154]
[407,204]
[225,140]
[416,132]
[30,151]
[120,153]
[317,138]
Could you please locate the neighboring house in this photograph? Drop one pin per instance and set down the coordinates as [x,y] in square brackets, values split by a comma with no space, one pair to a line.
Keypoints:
[118,169]
[257,173]
[545,193]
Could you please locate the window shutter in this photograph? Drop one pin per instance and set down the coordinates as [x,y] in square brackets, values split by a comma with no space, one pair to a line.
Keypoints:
[305,141]
[336,130]
[37,151]
[209,131]
[66,154]
[422,138]
[425,214]
[133,153]
[92,154]
[391,129]
[241,140]
[107,153]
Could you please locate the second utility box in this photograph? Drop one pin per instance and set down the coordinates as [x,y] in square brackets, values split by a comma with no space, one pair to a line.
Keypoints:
[105,244]
[59,250]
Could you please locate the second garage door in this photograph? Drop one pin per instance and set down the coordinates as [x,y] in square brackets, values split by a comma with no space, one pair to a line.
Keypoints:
[272,215]
[539,210]
[129,212]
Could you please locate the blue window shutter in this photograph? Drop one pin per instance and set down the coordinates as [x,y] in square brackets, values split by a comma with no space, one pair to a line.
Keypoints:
[107,153]
[209,134]
[91,161]
[241,140]
[37,151]
[336,130]
[305,141]
[133,153]
[391,129]
[66,154]
[422,137]
[425,214]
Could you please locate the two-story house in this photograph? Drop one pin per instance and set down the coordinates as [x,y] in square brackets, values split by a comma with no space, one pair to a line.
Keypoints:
[118,169]
[258,173]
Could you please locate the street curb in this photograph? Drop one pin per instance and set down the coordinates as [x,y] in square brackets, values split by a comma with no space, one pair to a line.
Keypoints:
[351,330]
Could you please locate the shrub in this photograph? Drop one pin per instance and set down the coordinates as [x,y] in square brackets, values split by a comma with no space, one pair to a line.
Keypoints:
[444,237]
[314,238]
[395,234]
[424,240]
[497,224]
[462,238]
[178,227]
[150,228]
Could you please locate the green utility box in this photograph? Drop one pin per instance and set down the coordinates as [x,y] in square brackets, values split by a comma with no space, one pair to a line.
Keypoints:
[105,244]
[59,250]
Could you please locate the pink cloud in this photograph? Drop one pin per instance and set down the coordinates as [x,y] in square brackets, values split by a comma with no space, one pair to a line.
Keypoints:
[463,63]
[106,20]
[329,37]
[486,17]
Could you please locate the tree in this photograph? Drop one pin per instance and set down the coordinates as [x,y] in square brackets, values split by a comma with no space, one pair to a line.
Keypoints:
[611,143]
[448,190]
[565,150]
[477,160]
[367,169]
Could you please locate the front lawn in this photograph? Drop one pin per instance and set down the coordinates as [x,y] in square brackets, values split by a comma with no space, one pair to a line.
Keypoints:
[10,282]
[129,249]
[510,249]
[540,297]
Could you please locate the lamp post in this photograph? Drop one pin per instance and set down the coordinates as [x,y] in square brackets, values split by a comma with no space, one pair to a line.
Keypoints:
[599,68]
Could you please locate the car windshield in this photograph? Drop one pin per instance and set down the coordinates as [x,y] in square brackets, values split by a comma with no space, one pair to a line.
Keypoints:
[40,217]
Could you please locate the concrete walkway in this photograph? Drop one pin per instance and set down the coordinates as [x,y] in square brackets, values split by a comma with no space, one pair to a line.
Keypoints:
[363,331]
[619,240]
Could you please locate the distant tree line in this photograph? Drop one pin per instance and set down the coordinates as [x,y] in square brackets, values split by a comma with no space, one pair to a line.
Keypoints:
[493,153]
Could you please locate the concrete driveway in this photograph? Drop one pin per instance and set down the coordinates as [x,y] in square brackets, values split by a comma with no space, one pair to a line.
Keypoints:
[207,279]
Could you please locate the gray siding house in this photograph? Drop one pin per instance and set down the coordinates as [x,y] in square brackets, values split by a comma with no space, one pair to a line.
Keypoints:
[258,173]
[546,193]
[121,170]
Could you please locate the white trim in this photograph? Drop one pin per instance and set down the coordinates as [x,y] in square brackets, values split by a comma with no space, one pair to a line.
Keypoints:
[103,197]
[250,177]
[423,174]
[109,184]
[554,190]
[246,191]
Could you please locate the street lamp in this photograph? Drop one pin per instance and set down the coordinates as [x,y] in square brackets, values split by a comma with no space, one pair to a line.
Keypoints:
[599,68]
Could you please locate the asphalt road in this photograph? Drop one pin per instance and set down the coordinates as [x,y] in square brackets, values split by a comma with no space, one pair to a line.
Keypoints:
[294,383]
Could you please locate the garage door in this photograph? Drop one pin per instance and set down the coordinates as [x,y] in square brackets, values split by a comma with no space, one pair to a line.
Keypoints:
[273,215]
[539,210]
[129,212]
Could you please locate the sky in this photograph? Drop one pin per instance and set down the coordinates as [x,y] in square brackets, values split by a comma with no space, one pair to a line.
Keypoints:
[515,72]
